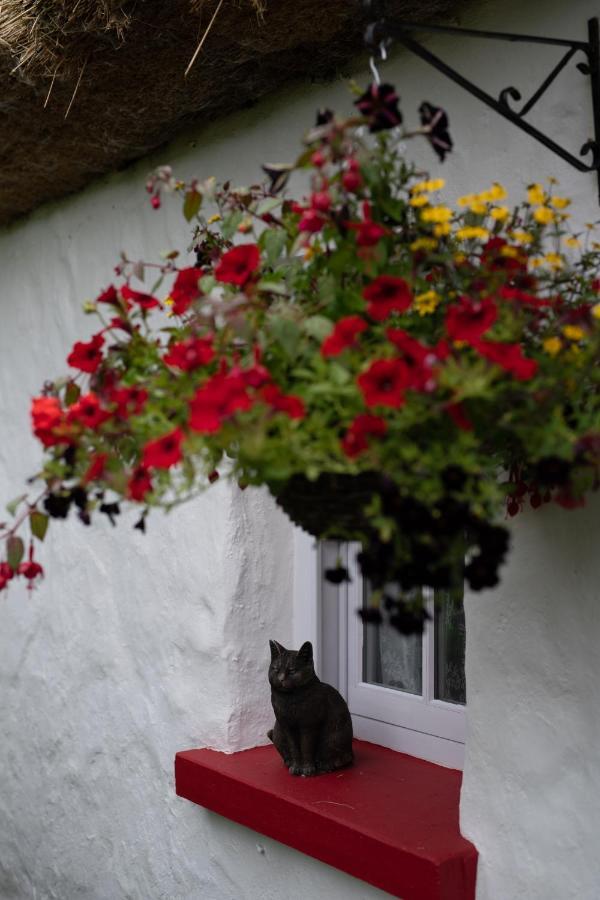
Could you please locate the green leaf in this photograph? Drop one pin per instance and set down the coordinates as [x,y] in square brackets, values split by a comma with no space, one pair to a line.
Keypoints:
[191,204]
[38,522]
[318,327]
[15,551]
[267,205]
[230,223]
[286,333]
[72,393]
[272,287]
[273,242]
[14,504]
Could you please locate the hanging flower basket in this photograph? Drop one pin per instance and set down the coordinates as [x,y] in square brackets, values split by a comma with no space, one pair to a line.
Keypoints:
[395,369]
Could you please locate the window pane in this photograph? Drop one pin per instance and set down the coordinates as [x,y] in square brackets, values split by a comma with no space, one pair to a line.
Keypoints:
[450,647]
[391,659]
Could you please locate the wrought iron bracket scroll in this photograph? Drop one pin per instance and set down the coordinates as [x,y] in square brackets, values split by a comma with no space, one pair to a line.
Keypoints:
[384,30]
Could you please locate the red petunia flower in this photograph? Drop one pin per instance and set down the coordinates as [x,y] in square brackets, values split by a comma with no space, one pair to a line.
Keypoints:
[469,319]
[145,301]
[527,299]
[344,335]
[86,356]
[88,411]
[129,401]
[185,289]
[364,426]
[190,354]
[220,397]
[384,383]
[165,451]
[509,357]
[420,359]
[96,467]
[289,404]
[385,295]
[139,484]
[238,265]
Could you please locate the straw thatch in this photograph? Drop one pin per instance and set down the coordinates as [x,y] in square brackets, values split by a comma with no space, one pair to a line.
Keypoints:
[125,61]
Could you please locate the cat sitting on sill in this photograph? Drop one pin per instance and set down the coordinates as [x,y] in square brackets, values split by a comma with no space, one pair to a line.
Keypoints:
[313,728]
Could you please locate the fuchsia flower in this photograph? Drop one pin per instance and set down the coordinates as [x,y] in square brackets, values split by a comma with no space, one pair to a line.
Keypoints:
[368,232]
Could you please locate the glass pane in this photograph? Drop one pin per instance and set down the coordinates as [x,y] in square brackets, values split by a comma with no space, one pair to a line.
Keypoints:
[391,659]
[450,647]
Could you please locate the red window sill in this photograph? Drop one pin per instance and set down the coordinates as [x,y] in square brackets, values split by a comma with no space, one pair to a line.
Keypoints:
[391,819]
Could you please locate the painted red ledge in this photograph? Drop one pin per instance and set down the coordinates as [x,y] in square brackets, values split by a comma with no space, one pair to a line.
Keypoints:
[391,819]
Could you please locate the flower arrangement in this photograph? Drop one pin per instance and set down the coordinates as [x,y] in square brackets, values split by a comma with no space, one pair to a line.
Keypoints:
[368,341]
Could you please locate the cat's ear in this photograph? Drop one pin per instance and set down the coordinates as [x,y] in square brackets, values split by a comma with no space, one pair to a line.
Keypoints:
[276,649]
[305,653]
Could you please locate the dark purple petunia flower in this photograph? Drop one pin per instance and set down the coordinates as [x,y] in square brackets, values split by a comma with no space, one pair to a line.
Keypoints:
[379,104]
[436,121]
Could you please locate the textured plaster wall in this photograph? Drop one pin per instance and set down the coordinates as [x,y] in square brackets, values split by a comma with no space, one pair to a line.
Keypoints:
[135,647]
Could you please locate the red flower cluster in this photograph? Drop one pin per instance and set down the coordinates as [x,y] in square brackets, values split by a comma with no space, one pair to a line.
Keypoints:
[509,357]
[420,359]
[129,401]
[344,335]
[139,484]
[385,295]
[190,354]
[220,397]
[469,319]
[289,404]
[163,452]
[364,426]
[29,569]
[96,468]
[86,356]
[238,265]
[48,420]
[185,290]
[384,383]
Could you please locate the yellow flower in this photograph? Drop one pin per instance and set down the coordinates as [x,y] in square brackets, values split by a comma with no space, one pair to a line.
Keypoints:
[419,200]
[460,344]
[552,345]
[467,200]
[434,184]
[426,303]
[472,231]
[498,191]
[554,260]
[442,229]
[560,202]
[424,243]
[572,242]
[573,332]
[544,215]
[536,261]
[596,311]
[460,258]
[511,252]
[499,213]
[478,207]
[536,195]
[213,219]
[522,237]
[437,214]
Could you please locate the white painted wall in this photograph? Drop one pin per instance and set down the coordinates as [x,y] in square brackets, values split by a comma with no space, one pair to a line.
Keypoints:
[136,647]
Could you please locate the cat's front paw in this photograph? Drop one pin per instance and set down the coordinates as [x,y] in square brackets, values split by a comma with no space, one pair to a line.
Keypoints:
[295,769]
[308,769]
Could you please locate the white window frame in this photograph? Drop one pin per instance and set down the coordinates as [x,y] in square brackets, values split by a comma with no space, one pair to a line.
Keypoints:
[421,726]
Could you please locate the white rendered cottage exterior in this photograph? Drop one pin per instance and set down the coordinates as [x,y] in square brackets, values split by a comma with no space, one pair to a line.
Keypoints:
[135,647]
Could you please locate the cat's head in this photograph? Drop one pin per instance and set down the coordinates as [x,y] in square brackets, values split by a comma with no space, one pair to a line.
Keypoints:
[290,669]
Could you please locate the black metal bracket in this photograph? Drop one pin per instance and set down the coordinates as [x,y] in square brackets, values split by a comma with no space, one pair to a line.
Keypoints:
[384,30]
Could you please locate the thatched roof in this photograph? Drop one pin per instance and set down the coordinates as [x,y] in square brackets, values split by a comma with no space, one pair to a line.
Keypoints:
[125,61]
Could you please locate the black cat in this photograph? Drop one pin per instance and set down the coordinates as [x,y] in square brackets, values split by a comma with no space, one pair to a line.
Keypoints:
[313,728]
